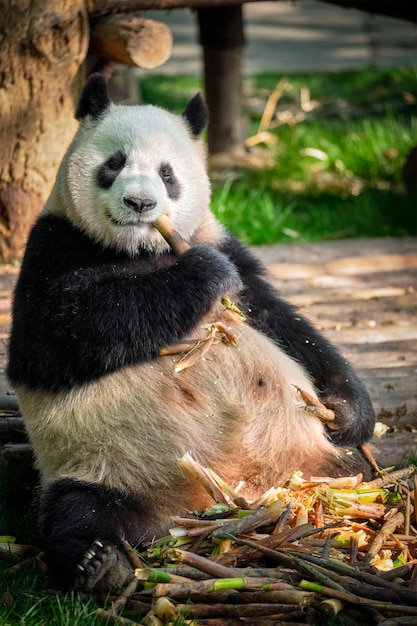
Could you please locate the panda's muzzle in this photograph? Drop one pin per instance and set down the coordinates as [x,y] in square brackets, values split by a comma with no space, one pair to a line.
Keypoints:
[139,205]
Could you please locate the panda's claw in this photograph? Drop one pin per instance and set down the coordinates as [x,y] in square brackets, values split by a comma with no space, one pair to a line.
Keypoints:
[97,561]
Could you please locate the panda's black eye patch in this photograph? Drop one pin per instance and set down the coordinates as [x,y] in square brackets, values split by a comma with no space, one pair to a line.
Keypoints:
[171,183]
[110,170]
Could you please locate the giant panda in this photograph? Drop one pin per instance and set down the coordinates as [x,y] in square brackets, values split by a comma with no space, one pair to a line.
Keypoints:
[101,294]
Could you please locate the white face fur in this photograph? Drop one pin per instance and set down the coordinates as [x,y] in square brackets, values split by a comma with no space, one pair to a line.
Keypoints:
[127,167]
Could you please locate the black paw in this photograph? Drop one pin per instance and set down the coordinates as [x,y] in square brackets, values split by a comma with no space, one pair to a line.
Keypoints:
[214,269]
[354,420]
[103,568]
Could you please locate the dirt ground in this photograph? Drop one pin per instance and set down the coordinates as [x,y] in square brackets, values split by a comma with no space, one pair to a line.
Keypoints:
[363,295]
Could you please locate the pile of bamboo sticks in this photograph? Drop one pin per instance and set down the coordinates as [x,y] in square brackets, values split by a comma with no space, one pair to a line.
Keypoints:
[317,550]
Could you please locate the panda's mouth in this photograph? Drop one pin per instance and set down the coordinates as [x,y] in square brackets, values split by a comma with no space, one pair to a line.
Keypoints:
[122,224]
[138,222]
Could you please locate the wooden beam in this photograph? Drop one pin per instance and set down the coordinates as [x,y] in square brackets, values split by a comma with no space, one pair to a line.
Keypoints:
[124,6]
[131,40]
[401,9]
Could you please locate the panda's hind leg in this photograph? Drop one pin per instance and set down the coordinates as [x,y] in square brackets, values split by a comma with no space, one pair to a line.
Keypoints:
[83,526]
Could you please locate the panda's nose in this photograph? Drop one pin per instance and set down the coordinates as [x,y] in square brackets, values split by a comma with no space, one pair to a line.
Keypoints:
[139,205]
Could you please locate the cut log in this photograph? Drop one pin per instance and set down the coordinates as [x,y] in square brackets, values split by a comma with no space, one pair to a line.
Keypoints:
[8,403]
[12,425]
[131,40]
[17,451]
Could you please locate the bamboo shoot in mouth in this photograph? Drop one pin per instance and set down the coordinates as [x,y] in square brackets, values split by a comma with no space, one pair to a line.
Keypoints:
[165,227]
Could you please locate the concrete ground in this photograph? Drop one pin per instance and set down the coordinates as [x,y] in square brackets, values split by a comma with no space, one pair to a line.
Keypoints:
[299,36]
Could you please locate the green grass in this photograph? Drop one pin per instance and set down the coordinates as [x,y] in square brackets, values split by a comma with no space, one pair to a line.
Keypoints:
[31,605]
[336,173]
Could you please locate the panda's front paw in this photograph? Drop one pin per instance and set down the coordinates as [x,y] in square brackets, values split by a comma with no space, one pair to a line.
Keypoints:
[102,568]
[354,419]
[216,274]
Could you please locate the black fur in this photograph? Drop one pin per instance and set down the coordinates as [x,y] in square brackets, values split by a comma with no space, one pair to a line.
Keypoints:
[196,115]
[94,99]
[90,311]
[110,170]
[170,181]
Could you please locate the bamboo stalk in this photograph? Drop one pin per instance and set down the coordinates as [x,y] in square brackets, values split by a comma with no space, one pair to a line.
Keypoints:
[200,562]
[202,475]
[388,528]
[131,555]
[154,575]
[346,570]
[166,610]
[254,609]
[350,597]
[331,607]
[397,572]
[289,596]
[262,517]
[164,225]
[317,408]
[190,589]
[392,593]
[187,572]
[388,479]
[370,457]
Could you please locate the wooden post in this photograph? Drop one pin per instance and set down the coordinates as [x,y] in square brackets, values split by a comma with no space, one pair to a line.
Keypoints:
[222,39]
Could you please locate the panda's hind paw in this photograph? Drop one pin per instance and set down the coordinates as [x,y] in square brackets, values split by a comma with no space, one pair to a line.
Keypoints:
[102,568]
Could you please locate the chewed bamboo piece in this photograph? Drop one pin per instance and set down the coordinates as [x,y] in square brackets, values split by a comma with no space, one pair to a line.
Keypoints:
[317,408]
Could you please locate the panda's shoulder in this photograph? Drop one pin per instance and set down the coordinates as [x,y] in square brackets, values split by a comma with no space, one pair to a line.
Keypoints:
[55,246]
[51,231]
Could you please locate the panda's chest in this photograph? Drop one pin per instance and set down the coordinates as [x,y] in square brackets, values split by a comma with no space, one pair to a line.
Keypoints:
[141,265]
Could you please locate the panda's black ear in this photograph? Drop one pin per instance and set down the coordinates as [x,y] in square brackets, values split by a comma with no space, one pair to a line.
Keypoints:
[94,99]
[196,115]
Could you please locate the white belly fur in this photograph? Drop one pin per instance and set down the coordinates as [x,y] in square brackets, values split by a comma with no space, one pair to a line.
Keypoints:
[128,429]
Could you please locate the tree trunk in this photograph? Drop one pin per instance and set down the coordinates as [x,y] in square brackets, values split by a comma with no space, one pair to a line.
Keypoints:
[43,44]
[222,38]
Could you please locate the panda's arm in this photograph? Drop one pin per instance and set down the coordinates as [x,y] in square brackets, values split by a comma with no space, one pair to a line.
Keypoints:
[337,383]
[77,317]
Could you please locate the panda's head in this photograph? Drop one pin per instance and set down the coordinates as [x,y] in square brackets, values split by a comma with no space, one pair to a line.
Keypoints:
[127,165]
